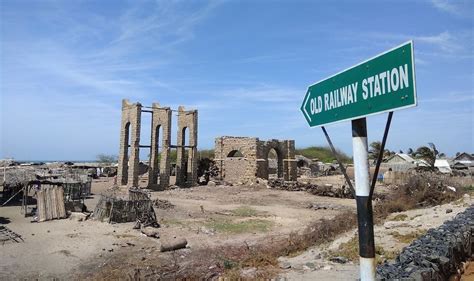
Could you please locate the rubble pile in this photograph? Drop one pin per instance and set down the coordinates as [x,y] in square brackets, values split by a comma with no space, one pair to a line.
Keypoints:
[162,204]
[324,190]
[437,255]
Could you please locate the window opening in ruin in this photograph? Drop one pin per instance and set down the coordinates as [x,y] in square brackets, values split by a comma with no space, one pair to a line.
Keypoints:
[235,153]
[301,164]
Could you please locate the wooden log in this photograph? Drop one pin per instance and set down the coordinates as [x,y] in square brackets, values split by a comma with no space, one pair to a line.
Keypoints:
[173,245]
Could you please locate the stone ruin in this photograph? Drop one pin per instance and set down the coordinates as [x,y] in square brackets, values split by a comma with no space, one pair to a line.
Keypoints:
[160,167]
[243,159]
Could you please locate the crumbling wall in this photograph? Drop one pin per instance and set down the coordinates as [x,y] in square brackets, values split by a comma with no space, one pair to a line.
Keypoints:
[254,161]
[127,173]
[225,149]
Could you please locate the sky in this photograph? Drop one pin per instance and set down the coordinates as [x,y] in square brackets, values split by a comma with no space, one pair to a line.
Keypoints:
[65,66]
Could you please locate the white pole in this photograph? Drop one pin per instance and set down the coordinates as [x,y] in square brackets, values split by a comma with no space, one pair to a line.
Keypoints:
[364,203]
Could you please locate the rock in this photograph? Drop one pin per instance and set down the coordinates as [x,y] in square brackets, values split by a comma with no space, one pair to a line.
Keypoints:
[248,273]
[327,267]
[211,183]
[77,216]
[392,224]
[466,196]
[449,211]
[339,259]
[150,232]
[285,265]
[207,231]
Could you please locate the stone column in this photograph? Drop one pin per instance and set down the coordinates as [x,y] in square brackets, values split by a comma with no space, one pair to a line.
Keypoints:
[127,172]
[159,163]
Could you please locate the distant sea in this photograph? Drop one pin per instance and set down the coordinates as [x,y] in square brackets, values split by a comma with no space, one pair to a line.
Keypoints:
[51,161]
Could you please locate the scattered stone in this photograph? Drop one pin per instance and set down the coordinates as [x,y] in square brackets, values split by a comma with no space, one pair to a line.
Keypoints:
[78,216]
[449,211]
[162,204]
[327,267]
[150,232]
[285,265]
[339,259]
[211,183]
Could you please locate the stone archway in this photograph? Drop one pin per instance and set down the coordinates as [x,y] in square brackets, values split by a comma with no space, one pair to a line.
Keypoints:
[274,160]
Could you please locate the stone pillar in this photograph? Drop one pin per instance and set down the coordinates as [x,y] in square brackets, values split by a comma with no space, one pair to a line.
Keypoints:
[127,173]
[289,163]
[186,175]
[159,162]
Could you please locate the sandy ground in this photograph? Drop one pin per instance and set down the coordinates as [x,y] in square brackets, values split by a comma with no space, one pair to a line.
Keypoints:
[66,249]
[56,248]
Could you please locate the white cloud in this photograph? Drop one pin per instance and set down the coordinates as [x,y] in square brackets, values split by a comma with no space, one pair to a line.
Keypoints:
[457,8]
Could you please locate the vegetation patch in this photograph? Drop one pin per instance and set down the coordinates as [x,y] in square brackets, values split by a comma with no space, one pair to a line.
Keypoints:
[400,217]
[350,250]
[324,154]
[237,227]
[245,211]
[409,237]
[423,189]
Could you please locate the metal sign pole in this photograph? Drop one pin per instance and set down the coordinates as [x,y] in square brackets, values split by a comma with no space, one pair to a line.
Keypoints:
[364,203]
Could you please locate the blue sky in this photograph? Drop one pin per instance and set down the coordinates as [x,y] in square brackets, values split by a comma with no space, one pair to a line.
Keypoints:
[245,65]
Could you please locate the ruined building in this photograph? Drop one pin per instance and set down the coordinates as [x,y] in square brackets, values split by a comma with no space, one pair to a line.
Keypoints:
[159,170]
[243,159]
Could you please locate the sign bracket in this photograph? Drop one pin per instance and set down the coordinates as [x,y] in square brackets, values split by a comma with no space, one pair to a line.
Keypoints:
[380,156]
[343,169]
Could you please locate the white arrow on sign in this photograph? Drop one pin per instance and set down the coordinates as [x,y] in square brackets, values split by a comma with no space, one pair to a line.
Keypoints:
[304,105]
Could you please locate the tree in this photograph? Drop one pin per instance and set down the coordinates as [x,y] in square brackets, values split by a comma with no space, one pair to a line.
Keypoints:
[428,153]
[106,159]
[374,150]
[410,152]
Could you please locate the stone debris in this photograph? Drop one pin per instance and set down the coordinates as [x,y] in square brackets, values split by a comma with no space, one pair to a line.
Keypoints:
[339,259]
[150,232]
[162,204]
[325,190]
[78,216]
[437,255]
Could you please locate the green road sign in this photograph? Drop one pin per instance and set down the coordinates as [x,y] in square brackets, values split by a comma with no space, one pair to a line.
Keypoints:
[383,83]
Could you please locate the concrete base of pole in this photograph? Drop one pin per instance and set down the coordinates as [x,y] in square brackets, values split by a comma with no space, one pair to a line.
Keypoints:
[367,269]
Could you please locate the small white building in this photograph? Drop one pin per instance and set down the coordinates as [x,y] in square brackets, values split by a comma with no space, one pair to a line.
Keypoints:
[443,166]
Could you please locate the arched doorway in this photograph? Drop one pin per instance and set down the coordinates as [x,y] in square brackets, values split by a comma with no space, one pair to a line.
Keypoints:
[274,163]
